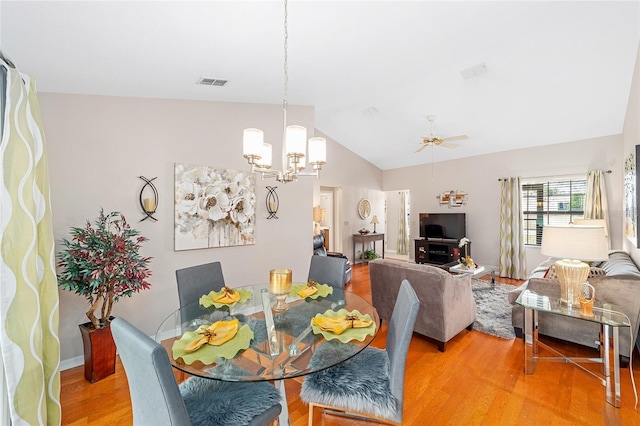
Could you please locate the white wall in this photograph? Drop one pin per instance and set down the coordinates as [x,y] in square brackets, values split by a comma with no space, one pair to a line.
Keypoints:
[631,138]
[98,146]
[357,179]
[479,177]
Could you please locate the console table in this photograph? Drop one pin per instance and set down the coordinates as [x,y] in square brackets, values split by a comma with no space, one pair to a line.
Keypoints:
[364,239]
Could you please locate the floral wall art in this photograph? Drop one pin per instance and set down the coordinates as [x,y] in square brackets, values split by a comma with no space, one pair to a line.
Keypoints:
[213,207]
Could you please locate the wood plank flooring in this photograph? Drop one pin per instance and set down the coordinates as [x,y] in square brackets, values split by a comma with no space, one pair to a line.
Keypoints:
[479,380]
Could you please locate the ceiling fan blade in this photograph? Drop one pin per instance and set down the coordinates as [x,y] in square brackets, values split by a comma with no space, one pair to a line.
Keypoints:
[448,145]
[455,138]
[421,148]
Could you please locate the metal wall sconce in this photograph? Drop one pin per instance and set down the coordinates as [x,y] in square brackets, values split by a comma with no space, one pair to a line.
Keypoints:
[148,202]
[272,202]
[453,198]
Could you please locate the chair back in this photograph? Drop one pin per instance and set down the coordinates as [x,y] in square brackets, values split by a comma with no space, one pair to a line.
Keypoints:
[399,336]
[328,270]
[155,395]
[195,281]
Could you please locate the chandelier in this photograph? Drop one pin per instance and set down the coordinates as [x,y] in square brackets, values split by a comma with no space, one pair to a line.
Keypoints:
[294,143]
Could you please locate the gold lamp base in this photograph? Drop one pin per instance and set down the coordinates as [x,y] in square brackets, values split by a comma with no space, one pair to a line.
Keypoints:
[572,275]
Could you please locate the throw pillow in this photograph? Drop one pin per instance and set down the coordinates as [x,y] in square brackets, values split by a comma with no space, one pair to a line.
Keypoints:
[551,273]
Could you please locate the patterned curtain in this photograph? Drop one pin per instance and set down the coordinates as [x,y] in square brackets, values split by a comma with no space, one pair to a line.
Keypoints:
[512,256]
[29,344]
[403,232]
[595,201]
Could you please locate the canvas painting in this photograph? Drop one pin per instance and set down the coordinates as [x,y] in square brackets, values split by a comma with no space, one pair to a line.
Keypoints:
[213,207]
[630,197]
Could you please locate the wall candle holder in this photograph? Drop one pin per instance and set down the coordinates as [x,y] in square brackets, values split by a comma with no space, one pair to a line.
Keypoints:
[148,204]
[272,202]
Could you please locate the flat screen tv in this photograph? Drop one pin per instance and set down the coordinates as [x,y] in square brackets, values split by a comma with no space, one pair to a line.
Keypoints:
[449,226]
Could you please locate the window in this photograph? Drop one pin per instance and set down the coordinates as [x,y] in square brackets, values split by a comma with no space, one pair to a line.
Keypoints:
[551,201]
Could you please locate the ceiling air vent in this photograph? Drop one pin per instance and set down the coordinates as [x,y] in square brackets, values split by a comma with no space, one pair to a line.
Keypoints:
[212,82]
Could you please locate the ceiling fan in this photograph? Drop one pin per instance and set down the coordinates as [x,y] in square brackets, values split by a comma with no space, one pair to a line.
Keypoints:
[433,140]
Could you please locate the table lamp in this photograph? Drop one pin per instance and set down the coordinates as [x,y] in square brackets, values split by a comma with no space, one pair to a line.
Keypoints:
[573,244]
[374,221]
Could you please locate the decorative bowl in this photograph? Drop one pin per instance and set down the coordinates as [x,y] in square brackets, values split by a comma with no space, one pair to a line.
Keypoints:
[364,231]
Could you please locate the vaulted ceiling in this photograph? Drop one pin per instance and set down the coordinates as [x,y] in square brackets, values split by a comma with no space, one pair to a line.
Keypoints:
[548,72]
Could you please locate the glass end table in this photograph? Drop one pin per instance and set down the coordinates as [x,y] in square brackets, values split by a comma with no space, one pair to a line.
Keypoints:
[610,318]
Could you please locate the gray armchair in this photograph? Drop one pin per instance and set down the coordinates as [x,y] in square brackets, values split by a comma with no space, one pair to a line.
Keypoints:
[446,301]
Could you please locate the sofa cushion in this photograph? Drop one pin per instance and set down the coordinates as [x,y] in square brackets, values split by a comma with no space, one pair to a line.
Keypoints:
[620,265]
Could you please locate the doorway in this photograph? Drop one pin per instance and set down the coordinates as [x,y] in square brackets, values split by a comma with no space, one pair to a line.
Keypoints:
[330,201]
[397,206]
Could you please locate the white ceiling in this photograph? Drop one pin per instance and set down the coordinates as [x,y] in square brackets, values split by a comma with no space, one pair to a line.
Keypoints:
[556,71]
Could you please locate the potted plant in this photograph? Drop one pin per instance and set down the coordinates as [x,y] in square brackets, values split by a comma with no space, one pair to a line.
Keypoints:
[370,254]
[102,263]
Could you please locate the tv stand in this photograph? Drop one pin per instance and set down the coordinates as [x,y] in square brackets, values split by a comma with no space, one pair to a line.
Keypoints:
[438,251]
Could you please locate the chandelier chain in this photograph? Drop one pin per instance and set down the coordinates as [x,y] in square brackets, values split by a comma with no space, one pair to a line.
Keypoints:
[286,57]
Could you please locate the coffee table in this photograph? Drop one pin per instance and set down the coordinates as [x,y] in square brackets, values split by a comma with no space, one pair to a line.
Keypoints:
[480,271]
[607,315]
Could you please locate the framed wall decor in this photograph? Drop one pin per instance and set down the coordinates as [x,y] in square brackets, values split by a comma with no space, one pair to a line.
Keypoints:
[631,186]
[213,207]
[364,208]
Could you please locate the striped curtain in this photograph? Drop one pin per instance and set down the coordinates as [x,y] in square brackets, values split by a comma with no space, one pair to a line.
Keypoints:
[512,255]
[403,232]
[595,200]
[29,344]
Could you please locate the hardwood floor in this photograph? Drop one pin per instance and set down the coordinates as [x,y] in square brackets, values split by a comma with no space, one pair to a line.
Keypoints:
[478,380]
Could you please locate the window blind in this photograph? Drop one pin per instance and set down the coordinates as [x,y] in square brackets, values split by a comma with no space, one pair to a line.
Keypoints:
[551,201]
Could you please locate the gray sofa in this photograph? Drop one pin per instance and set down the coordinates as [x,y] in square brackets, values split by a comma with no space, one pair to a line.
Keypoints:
[446,301]
[616,281]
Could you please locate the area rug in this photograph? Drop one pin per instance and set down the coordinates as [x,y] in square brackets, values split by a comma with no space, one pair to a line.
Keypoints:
[493,311]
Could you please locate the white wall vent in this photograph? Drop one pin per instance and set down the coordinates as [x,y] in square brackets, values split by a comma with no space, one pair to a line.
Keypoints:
[212,82]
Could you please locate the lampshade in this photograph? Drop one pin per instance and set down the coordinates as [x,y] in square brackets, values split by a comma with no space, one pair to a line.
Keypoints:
[296,140]
[266,156]
[317,151]
[586,243]
[595,222]
[319,214]
[374,220]
[252,140]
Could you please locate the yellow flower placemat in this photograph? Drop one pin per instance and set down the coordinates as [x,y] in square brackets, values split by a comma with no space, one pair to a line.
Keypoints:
[323,290]
[349,334]
[208,354]
[207,300]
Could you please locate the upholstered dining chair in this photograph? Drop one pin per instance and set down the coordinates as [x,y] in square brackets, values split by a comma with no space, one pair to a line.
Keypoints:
[156,398]
[195,281]
[328,270]
[371,384]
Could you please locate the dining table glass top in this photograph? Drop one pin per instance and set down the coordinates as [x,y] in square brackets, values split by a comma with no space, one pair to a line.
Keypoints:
[258,353]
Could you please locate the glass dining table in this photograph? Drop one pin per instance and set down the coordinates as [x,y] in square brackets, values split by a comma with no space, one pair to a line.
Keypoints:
[269,345]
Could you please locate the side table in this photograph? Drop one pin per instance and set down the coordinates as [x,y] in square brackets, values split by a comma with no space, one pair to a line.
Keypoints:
[607,315]
[366,238]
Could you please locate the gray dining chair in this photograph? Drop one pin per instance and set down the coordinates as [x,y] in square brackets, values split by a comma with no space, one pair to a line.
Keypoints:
[195,281]
[156,398]
[328,270]
[370,384]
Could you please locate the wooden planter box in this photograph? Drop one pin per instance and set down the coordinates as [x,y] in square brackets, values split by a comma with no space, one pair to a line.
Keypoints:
[99,352]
